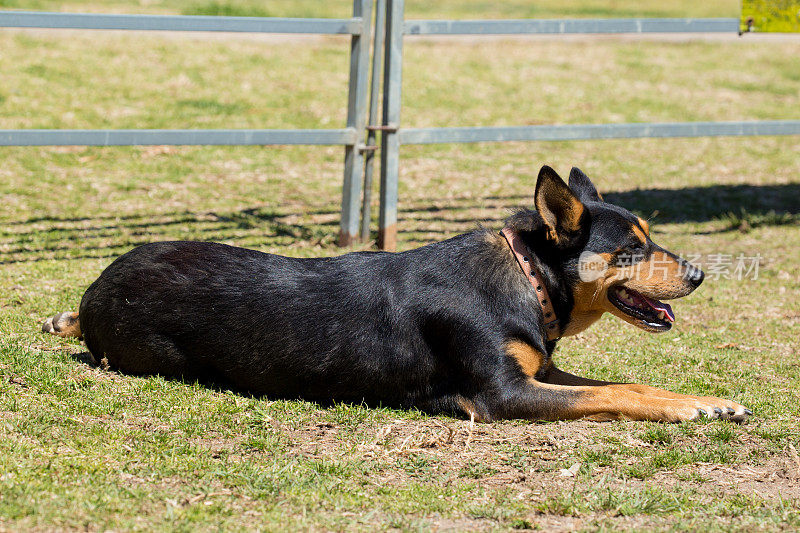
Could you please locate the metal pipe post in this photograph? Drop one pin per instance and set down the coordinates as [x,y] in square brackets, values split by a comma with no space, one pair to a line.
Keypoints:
[374,97]
[390,141]
[356,118]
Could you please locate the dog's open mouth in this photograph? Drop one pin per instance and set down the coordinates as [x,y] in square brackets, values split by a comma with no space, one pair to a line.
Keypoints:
[653,314]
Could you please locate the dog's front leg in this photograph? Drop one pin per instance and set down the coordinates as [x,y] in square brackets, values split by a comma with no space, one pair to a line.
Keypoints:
[719,406]
[537,400]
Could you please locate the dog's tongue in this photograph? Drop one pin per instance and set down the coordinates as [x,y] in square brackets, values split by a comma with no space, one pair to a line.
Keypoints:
[660,306]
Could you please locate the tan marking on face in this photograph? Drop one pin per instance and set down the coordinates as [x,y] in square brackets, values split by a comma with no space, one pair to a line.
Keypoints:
[591,298]
[645,226]
[660,277]
[530,359]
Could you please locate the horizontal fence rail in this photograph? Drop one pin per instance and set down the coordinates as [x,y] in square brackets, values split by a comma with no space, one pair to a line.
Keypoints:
[89,21]
[576,132]
[175,137]
[545,26]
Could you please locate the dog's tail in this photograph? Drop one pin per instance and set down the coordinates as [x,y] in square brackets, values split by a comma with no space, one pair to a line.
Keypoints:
[63,325]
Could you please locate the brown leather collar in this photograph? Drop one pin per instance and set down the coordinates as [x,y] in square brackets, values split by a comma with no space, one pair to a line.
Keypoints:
[522,253]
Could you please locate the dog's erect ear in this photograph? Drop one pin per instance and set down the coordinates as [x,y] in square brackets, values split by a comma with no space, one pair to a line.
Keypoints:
[583,187]
[561,210]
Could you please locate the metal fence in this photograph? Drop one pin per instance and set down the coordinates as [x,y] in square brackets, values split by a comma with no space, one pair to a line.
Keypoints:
[390,30]
[394,136]
[352,136]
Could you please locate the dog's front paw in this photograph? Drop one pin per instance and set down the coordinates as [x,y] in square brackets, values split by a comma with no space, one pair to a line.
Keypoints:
[710,407]
[726,409]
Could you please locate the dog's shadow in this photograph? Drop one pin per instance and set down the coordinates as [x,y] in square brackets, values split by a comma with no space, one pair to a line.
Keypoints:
[226,387]
[214,384]
[208,382]
[85,358]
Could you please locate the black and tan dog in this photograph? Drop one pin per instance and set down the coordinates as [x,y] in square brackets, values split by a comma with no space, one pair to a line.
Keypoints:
[463,326]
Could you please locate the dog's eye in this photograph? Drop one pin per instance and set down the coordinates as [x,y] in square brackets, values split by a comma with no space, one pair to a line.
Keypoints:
[631,254]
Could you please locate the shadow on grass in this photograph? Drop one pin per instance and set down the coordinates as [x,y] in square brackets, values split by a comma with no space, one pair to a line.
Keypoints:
[95,237]
[216,383]
[422,220]
[84,357]
[697,204]
[700,204]
[740,206]
[209,382]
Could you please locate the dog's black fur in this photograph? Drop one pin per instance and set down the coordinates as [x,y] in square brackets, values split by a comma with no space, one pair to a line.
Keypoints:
[418,328]
[428,328]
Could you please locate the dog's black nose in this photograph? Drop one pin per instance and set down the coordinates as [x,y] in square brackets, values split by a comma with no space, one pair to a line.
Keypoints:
[694,276]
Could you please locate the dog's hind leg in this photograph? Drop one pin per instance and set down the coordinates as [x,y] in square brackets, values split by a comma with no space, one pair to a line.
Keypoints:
[63,324]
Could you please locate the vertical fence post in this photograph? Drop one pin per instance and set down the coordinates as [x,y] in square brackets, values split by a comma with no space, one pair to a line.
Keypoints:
[356,118]
[374,97]
[390,143]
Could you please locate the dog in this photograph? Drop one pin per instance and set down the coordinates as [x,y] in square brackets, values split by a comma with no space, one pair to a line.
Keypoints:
[464,327]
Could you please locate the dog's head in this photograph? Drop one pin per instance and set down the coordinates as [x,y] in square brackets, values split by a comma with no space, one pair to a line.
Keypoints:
[607,257]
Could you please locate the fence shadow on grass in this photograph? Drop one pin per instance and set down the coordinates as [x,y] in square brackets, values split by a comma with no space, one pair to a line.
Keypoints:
[700,204]
[422,220]
[754,204]
[52,238]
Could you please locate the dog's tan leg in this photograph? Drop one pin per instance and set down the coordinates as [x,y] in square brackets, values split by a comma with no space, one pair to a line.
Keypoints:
[544,401]
[63,325]
[714,407]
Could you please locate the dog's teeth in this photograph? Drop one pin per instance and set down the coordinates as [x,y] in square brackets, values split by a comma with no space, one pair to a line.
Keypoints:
[624,294]
[661,315]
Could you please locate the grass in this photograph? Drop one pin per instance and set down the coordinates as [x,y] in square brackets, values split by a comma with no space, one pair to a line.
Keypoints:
[82,448]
